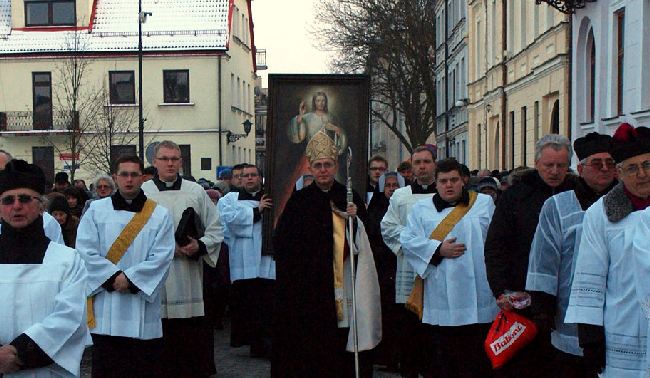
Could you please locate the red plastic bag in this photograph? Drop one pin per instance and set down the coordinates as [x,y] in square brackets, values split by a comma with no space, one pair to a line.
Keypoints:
[509,333]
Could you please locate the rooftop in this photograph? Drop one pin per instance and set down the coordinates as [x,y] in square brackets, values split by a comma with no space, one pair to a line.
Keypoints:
[174,25]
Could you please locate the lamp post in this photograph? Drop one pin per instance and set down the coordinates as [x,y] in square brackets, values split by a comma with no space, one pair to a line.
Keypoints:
[142,17]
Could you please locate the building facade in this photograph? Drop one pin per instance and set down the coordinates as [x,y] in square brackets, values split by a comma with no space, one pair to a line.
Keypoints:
[611,55]
[198,76]
[519,80]
[451,79]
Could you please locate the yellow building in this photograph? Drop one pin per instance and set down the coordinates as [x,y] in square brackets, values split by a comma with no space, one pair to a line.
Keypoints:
[519,80]
[198,78]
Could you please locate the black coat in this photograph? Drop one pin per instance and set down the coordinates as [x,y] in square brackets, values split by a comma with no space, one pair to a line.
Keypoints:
[385,259]
[306,339]
[512,229]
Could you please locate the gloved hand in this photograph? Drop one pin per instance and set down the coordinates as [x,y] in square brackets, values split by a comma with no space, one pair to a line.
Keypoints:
[592,341]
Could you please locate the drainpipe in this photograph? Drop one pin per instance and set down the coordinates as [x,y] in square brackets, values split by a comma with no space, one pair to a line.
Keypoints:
[504,73]
[220,110]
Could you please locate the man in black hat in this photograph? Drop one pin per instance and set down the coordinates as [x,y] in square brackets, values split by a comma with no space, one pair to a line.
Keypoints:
[42,293]
[552,252]
[61,182]
[604,299]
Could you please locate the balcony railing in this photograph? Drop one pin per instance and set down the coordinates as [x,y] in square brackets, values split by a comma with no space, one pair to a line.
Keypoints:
[260,59]
[26,121]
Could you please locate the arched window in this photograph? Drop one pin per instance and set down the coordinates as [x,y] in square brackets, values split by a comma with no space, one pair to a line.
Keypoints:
[591,77]
[555,118]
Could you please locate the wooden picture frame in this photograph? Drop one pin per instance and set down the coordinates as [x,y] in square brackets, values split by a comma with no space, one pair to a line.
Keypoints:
[347,100]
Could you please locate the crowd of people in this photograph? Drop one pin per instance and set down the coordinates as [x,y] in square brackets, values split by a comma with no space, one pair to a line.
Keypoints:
[145,264]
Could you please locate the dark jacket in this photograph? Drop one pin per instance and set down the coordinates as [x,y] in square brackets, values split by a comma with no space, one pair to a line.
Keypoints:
[511,231]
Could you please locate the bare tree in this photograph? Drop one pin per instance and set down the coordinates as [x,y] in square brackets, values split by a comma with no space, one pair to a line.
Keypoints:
[393,41]
[77,103]
[113,126]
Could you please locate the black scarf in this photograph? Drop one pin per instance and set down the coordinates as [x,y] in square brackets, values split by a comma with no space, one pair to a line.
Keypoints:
[441,204]
[587,196]
[119,203]
[23,246]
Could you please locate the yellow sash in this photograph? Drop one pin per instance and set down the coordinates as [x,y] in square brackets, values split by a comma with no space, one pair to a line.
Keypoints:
[415,301]
[338,224]
[121,244]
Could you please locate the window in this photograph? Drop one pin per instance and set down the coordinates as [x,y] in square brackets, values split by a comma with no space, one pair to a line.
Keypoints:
[43,157]
[42,100]
[591,68]
[537,125]
[50,12]
[524,131]
[512,140]
[176,85]
[120,150]
[620,45]
[186,168]
[122,87]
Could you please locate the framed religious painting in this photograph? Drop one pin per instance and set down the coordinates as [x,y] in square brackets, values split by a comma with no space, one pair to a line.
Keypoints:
[300,106]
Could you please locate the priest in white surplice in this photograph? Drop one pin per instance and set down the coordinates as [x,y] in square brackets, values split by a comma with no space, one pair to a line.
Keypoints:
[611,326]
[127,242]
[252,273]
[555,246]
[407,324]
[457,302]
[42,285]
[187,336]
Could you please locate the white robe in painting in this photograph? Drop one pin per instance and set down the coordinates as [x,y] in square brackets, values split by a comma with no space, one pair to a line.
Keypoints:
[145,263]
[552,259]
[641,251]
[603,291]
[456,292]
[52,229]
[182,296]
[392,225]
[47,302]
[245,239]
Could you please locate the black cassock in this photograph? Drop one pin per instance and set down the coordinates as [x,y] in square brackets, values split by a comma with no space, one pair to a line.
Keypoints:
[306,339]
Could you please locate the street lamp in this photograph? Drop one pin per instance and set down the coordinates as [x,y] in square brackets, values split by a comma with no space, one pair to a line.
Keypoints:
[142,18]
[566,6]
[232,137]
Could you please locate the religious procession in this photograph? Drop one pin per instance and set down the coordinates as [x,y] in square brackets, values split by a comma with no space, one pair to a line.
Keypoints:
[434,271]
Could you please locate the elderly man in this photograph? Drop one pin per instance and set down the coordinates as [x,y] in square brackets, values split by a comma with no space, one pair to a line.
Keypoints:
[50,225]
[511,232]
[313,288]
[557,237]
[611,326]
[443,241]
[42,285]
[424,165]
[127,242]
[251,272]
[187,337]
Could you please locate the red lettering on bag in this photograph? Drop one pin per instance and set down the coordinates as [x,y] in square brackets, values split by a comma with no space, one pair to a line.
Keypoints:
[508,338]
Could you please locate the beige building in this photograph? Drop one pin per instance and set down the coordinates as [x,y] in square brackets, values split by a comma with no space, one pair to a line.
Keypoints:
[519,80]
[198,78]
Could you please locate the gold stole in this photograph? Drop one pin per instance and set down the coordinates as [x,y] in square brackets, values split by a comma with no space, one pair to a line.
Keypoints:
[121,244]
[338,223]
[415,301]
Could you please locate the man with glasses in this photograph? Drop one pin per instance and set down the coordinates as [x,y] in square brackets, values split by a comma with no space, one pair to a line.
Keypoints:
[127,243]
[509,237]
[236,181]
[604,303]
[377,166]
[550,267]
[42,284]
[187,336]
[251,272]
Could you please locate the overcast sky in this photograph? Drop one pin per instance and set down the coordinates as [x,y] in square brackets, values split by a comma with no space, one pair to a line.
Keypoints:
[281,27]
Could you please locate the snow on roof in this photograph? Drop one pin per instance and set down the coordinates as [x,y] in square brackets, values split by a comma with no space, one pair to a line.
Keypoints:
[174,25]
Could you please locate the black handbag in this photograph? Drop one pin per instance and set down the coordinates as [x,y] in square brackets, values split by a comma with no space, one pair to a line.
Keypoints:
[189,226]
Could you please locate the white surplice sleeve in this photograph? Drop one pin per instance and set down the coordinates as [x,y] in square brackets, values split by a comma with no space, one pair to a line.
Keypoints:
[391,224]
[546,251]
[237,218]
[587,300]
[213,233]
[52,229]
[416,244]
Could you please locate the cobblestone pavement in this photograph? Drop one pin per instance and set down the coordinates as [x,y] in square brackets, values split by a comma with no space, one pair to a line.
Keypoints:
[231,362]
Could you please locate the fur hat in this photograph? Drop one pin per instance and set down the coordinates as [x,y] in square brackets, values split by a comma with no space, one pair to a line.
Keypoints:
[21,174]
[629,142]
[58,203]
[592,143]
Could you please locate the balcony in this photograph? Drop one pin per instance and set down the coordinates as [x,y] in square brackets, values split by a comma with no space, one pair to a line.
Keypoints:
[260,59]
[19,122]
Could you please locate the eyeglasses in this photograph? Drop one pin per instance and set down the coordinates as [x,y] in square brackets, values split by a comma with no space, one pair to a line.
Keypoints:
[22,198]
[167,159]
[600,163]
[326,165]
[104,187]
[129,174]
[377,169]
[247,175]
[634,169]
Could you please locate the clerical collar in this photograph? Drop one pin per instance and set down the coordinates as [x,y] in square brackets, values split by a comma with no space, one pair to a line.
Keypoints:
[416,188]
[136,205]
[26,245]
[246,196]
[163,185]
[441,204]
